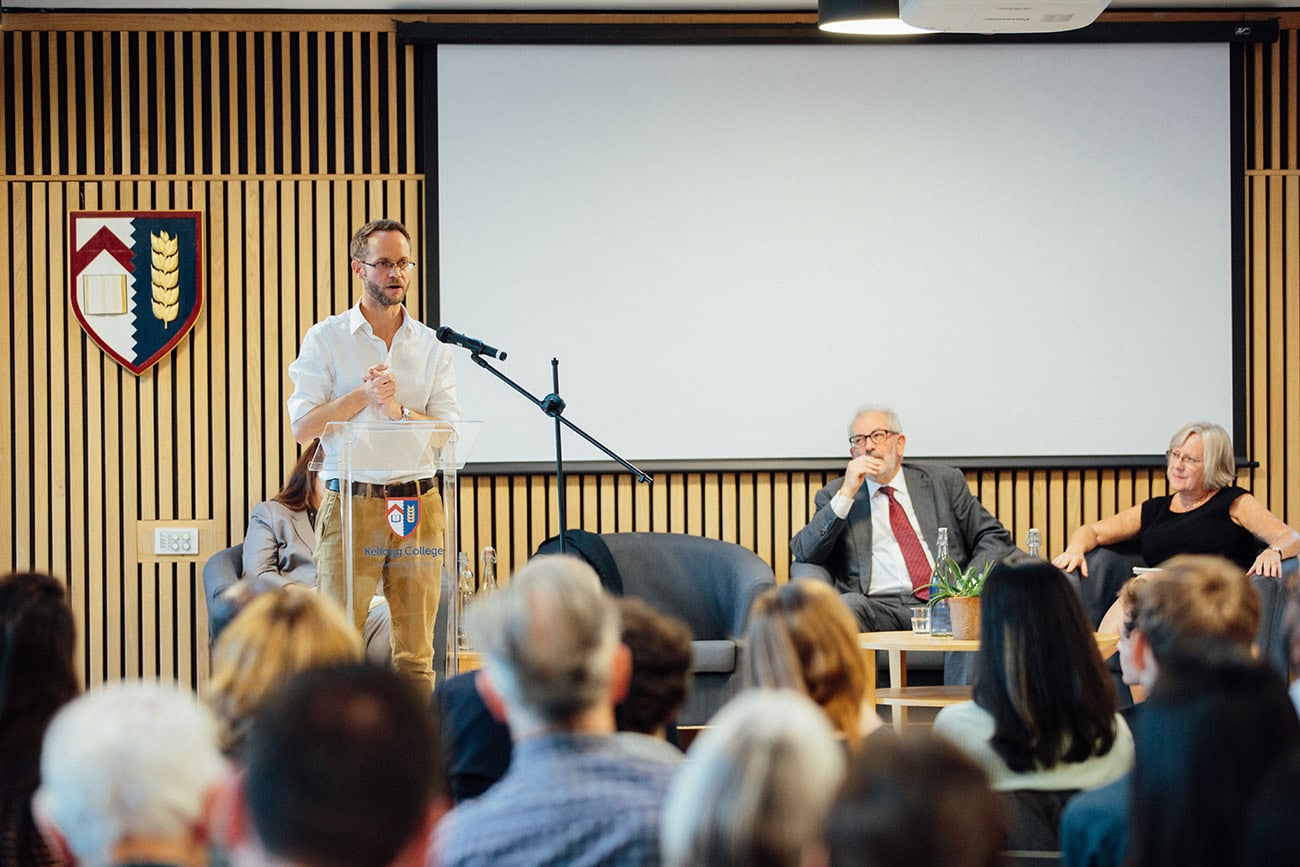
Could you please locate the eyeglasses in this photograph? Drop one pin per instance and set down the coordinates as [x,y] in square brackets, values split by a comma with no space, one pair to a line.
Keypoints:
[877,436]
[388,264]
[1175,456]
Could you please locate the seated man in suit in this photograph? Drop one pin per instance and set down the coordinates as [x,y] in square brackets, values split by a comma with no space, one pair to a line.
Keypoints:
[876,528]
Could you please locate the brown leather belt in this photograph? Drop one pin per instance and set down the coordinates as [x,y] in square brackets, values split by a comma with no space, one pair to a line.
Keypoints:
[417,488]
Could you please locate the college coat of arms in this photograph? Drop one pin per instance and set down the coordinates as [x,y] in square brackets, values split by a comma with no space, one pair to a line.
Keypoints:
[137,282]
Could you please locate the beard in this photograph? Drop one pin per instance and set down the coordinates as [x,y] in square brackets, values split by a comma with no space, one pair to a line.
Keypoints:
[377,293]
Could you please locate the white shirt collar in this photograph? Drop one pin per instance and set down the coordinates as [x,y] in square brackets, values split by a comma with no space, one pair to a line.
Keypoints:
[357,320]
[898,483]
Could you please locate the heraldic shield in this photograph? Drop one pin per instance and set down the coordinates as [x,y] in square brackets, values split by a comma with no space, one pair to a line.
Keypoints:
[137,282]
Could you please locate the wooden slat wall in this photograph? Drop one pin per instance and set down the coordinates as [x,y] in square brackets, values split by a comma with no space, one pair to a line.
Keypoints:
[273,128]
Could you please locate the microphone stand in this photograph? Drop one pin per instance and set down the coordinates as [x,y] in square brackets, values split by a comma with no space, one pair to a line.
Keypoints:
[553,405]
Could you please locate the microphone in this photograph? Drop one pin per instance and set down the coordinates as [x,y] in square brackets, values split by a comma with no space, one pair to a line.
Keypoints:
[476,347]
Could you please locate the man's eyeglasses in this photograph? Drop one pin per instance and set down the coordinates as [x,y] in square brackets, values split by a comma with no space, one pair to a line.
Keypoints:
[388,264]
[1176,456]
[876,437]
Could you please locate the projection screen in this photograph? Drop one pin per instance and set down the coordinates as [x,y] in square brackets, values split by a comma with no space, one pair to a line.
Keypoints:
[1024,249]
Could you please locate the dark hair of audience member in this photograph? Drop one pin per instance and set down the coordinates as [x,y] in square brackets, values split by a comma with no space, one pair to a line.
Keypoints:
[1273,831]
[37,677]
[343,764]
[661,662]
[296,493]
[1224,719]
[897,781]
[1038,672]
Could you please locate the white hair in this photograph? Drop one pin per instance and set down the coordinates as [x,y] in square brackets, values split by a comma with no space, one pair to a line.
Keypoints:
[891,418]
[128,759]
[756,785]
[548,640]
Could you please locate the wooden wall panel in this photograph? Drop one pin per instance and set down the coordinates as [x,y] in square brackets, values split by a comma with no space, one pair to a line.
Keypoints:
[287,134]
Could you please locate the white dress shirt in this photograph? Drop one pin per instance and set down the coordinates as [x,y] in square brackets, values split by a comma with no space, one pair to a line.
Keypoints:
[889,575]
[337,352]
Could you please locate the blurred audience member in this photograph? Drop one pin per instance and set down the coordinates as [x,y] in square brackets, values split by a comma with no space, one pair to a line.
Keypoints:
[1043,723]
[477,744]
[1196,600]
[343,770]
[279,634]
[874,820]
[37,677]
[756,785]
[801,636]
[553,668]
[1216,723]
[1273,824]
[661,663]
[127,773]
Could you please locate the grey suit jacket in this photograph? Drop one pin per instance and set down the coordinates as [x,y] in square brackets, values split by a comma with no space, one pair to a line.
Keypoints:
[279,544]
[940,498]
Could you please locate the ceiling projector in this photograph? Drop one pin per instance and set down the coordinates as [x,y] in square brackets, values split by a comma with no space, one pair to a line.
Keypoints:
[992,16]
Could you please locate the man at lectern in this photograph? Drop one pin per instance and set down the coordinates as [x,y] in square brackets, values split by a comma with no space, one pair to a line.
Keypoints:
[376,363]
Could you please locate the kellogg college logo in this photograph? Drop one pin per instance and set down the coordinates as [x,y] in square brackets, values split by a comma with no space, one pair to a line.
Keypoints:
[137,283]
[403,515]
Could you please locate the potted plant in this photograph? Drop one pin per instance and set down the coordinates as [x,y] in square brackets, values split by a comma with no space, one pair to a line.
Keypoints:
[961,589]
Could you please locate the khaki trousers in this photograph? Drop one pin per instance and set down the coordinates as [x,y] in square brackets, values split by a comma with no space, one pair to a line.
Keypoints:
[411,570]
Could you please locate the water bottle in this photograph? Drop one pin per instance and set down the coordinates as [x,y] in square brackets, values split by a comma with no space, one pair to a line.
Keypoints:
[488,561]
[1034,543]
[940,617]
[464,593]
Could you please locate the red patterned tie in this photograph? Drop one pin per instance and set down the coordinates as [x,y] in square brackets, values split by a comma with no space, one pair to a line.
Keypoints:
[913,554]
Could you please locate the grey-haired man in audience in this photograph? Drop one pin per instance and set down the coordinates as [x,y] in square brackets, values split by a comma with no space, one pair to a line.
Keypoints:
[554,668]
[127,772]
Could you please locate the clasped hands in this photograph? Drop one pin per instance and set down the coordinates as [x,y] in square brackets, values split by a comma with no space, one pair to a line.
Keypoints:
[381,390]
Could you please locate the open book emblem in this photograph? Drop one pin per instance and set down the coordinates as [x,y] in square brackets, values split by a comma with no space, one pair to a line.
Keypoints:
[403,515]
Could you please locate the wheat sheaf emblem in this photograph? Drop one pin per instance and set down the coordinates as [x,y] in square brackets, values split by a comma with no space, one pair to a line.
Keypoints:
[166,277]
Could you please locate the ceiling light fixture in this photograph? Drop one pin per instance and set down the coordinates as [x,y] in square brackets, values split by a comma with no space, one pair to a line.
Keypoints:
[863,18]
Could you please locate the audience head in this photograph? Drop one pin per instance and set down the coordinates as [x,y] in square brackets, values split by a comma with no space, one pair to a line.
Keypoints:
[37,671]
[801,636]
[278,634]
[1130,667]
[37,677]
[1193,598]
[661,662]
[128,763]
[550,647]
[1038,672]
[756,784]
[302,490]
[874,820]
[1218,467]
[1224,720]
[343,770]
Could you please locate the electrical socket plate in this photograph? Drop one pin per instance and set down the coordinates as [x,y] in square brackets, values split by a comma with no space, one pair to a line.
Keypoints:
[176,541]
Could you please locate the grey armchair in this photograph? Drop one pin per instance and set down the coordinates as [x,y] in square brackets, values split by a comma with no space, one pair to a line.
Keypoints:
[709,584]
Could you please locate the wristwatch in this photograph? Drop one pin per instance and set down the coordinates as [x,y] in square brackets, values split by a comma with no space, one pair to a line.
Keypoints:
[1277,549]
[406,413]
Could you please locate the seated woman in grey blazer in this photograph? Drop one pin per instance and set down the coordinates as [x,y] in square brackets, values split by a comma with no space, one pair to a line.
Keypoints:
[279,546]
